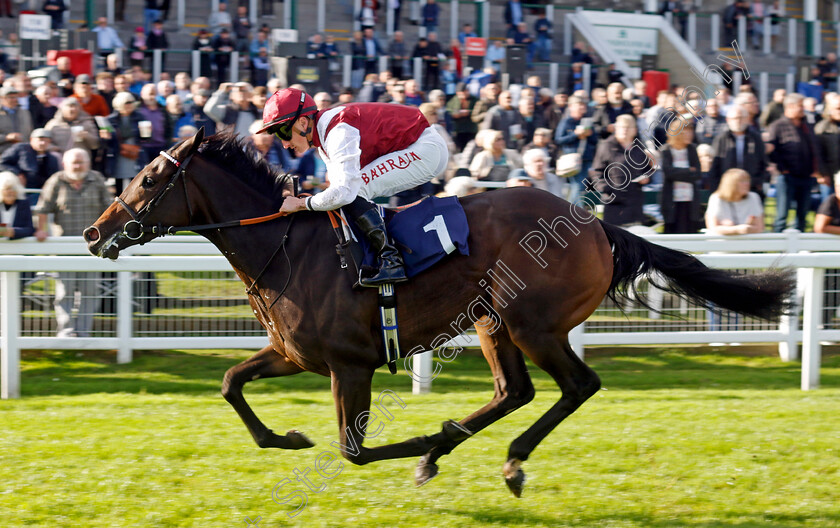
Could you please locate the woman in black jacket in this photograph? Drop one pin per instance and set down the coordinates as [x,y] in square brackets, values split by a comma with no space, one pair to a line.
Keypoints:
[680,198]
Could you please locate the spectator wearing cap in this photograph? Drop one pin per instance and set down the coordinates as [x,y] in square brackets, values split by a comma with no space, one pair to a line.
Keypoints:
[72,127]
[519,179]
[127,156]
[93,104]
[15,122]
[33,162]
[138,44]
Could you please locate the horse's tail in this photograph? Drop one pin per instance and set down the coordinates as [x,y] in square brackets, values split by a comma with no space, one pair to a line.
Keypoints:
[767,295]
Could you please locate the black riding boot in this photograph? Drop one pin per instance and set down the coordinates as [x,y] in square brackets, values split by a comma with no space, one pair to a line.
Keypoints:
[390,261]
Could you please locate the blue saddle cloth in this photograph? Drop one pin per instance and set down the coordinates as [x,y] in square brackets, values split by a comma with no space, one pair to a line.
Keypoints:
[424,233]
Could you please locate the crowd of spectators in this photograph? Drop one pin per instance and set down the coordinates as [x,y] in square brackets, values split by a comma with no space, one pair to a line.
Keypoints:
[75,140]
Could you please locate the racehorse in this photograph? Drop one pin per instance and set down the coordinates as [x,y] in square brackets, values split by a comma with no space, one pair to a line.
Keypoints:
[537,267]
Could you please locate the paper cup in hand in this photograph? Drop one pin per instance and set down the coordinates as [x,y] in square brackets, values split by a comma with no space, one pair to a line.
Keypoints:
[145,129]
[76,129]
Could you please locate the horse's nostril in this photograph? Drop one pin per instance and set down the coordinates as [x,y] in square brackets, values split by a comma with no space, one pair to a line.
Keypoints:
[91,234]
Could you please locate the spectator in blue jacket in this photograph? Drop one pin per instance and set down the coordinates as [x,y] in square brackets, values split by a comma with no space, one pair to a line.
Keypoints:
[574,135]
[32,161]
[107,38]
[431,12]
[466,31]
[542,28]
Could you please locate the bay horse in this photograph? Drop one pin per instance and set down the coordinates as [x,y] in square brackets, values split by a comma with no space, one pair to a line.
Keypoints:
[537,267]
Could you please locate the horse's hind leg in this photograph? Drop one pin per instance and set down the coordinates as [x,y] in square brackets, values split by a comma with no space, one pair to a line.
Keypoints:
[267,363]
[513,389]
[576,380]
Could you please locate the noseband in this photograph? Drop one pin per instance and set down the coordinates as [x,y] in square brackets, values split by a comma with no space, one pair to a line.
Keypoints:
[134,229]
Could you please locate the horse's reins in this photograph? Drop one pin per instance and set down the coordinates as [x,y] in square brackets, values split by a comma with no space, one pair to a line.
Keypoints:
[137,218]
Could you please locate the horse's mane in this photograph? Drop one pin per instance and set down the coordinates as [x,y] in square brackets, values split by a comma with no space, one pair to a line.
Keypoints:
[240,158]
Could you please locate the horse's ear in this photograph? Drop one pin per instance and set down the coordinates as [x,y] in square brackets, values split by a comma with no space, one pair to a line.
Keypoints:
[196,141]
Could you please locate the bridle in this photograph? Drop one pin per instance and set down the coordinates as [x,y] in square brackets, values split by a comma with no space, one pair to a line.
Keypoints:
[134,229]
[138,228]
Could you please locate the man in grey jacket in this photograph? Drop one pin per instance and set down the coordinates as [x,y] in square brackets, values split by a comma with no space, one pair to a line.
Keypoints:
[231,108]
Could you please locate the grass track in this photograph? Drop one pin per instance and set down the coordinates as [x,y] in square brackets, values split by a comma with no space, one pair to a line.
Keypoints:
[681,438]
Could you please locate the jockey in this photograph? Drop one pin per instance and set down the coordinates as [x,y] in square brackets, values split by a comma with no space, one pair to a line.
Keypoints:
[371,150]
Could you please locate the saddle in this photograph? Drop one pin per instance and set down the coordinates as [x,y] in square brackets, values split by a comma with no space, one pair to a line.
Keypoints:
[424,233]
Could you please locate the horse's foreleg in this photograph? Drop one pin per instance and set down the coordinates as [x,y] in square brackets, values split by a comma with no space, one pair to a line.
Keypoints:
[267,363]
[513,389]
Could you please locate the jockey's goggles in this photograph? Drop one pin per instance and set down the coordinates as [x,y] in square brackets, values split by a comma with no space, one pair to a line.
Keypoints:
[283,131]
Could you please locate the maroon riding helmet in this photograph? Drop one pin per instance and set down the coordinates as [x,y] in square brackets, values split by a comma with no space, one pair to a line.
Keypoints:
[283,109]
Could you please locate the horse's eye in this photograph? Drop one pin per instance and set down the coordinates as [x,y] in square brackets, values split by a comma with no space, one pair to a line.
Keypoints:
[148,182]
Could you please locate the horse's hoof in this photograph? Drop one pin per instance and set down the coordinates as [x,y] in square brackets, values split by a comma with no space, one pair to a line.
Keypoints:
[425,471]
[514,476]
[298,440]
[455,431]
[270,439]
